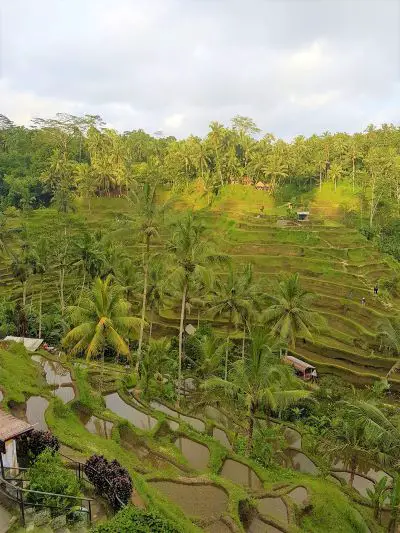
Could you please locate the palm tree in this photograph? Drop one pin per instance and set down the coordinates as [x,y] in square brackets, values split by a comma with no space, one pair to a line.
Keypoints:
[88,256]
[209,352]
[43,254]
[149,213]
[290,315]
[192,256]
[233,298]
[259,382]
[378,496]
[102,320]
[336,172]
[155,290]
[389,338]
[155,359]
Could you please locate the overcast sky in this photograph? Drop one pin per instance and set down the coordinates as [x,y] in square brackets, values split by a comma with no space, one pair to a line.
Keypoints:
[295,67]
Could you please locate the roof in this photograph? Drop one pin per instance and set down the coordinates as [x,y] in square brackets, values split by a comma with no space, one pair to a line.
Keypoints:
[297,363]
[30,344]
[11,427]
[190,329]
[303,212]
[260,184]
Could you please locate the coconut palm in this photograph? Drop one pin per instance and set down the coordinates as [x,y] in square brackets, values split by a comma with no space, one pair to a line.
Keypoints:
[234,297]
[102,320]
[257,383]
[389,338]
[89,258]
[208,353]
[153,363]
[155,290]
[41,266]
[289,315]
[192,257]
[149,213]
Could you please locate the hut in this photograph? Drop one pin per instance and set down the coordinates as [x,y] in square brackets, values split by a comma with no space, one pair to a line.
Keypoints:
[302,369]
[30,344]
[10,429]
[303,215]
[247,180]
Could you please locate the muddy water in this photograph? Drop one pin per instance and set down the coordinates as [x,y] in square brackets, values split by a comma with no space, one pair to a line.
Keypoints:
[293,438]
[196,454]
[56,374]
[35,409]
[196,423]
[222,437]
[202,501]
[139,419]
[164,409]
[172,424]
[241,474]
[299,495]
[100,427]
[66,394]
[258,526]
[301,462]
[273,507]
[368,471]
[218,527]
[361,484]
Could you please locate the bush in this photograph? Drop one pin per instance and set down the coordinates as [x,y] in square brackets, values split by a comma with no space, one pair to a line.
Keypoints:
[134,520]
[37,442]
[48,474]
[109,479]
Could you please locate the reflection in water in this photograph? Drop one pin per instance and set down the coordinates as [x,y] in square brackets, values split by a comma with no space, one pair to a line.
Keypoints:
[196,423]
[203,501]
[56,374]
[196,454]
[274,507]
[164,409]
[139,419]
[35,409]
[241,474]
[66,394]
[361,484]
[100,427]
[301,462]
[222,437]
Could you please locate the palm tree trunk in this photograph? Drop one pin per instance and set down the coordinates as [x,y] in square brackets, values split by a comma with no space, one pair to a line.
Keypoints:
[244,339]
[250,430]
[151,323]
[320,179]
[198,318]
[24,293]
[83,286]
[144,302]
[40,306]
[182,320]
[354,173]
[353,466]
[227,345]
[62,276]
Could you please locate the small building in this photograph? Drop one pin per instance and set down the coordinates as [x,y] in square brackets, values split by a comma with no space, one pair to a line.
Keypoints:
[190,329]
[261,186]
[10,429]
[303,215]
[247,180]
[30,344]
[302,369]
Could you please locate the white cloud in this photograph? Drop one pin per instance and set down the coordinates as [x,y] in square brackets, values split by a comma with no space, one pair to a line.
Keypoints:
[174,121]
[315,100]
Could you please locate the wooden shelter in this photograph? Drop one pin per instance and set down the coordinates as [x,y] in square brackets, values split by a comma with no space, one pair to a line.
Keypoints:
[302,369]
[303,215]
[261,186]
[10,429]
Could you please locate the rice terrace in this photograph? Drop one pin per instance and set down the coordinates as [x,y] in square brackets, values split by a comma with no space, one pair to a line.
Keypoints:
[199,310]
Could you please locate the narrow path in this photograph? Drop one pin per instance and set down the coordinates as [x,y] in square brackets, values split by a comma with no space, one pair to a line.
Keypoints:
[5,518]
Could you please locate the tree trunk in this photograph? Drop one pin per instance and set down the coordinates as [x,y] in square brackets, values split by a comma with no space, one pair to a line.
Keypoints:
[353,466]
[227,345]
[198,318]
[182,320]
[24,293]
[83,286]
[40,307]
[244,340]
[354,173]
[151,323]
[62,276]
[372,208]
[144,302]
[320,179]
[250,430]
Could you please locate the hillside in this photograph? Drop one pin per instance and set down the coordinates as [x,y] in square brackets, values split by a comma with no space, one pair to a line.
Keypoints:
[334,261]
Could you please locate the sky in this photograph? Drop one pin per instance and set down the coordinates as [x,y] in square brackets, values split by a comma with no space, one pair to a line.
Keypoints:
[294,66]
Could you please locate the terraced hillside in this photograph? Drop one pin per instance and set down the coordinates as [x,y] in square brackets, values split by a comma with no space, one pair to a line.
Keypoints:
[334,261]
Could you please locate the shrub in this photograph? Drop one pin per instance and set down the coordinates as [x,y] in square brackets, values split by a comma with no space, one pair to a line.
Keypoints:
[134,520]
[48,474]
[37,442]
[109,479]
